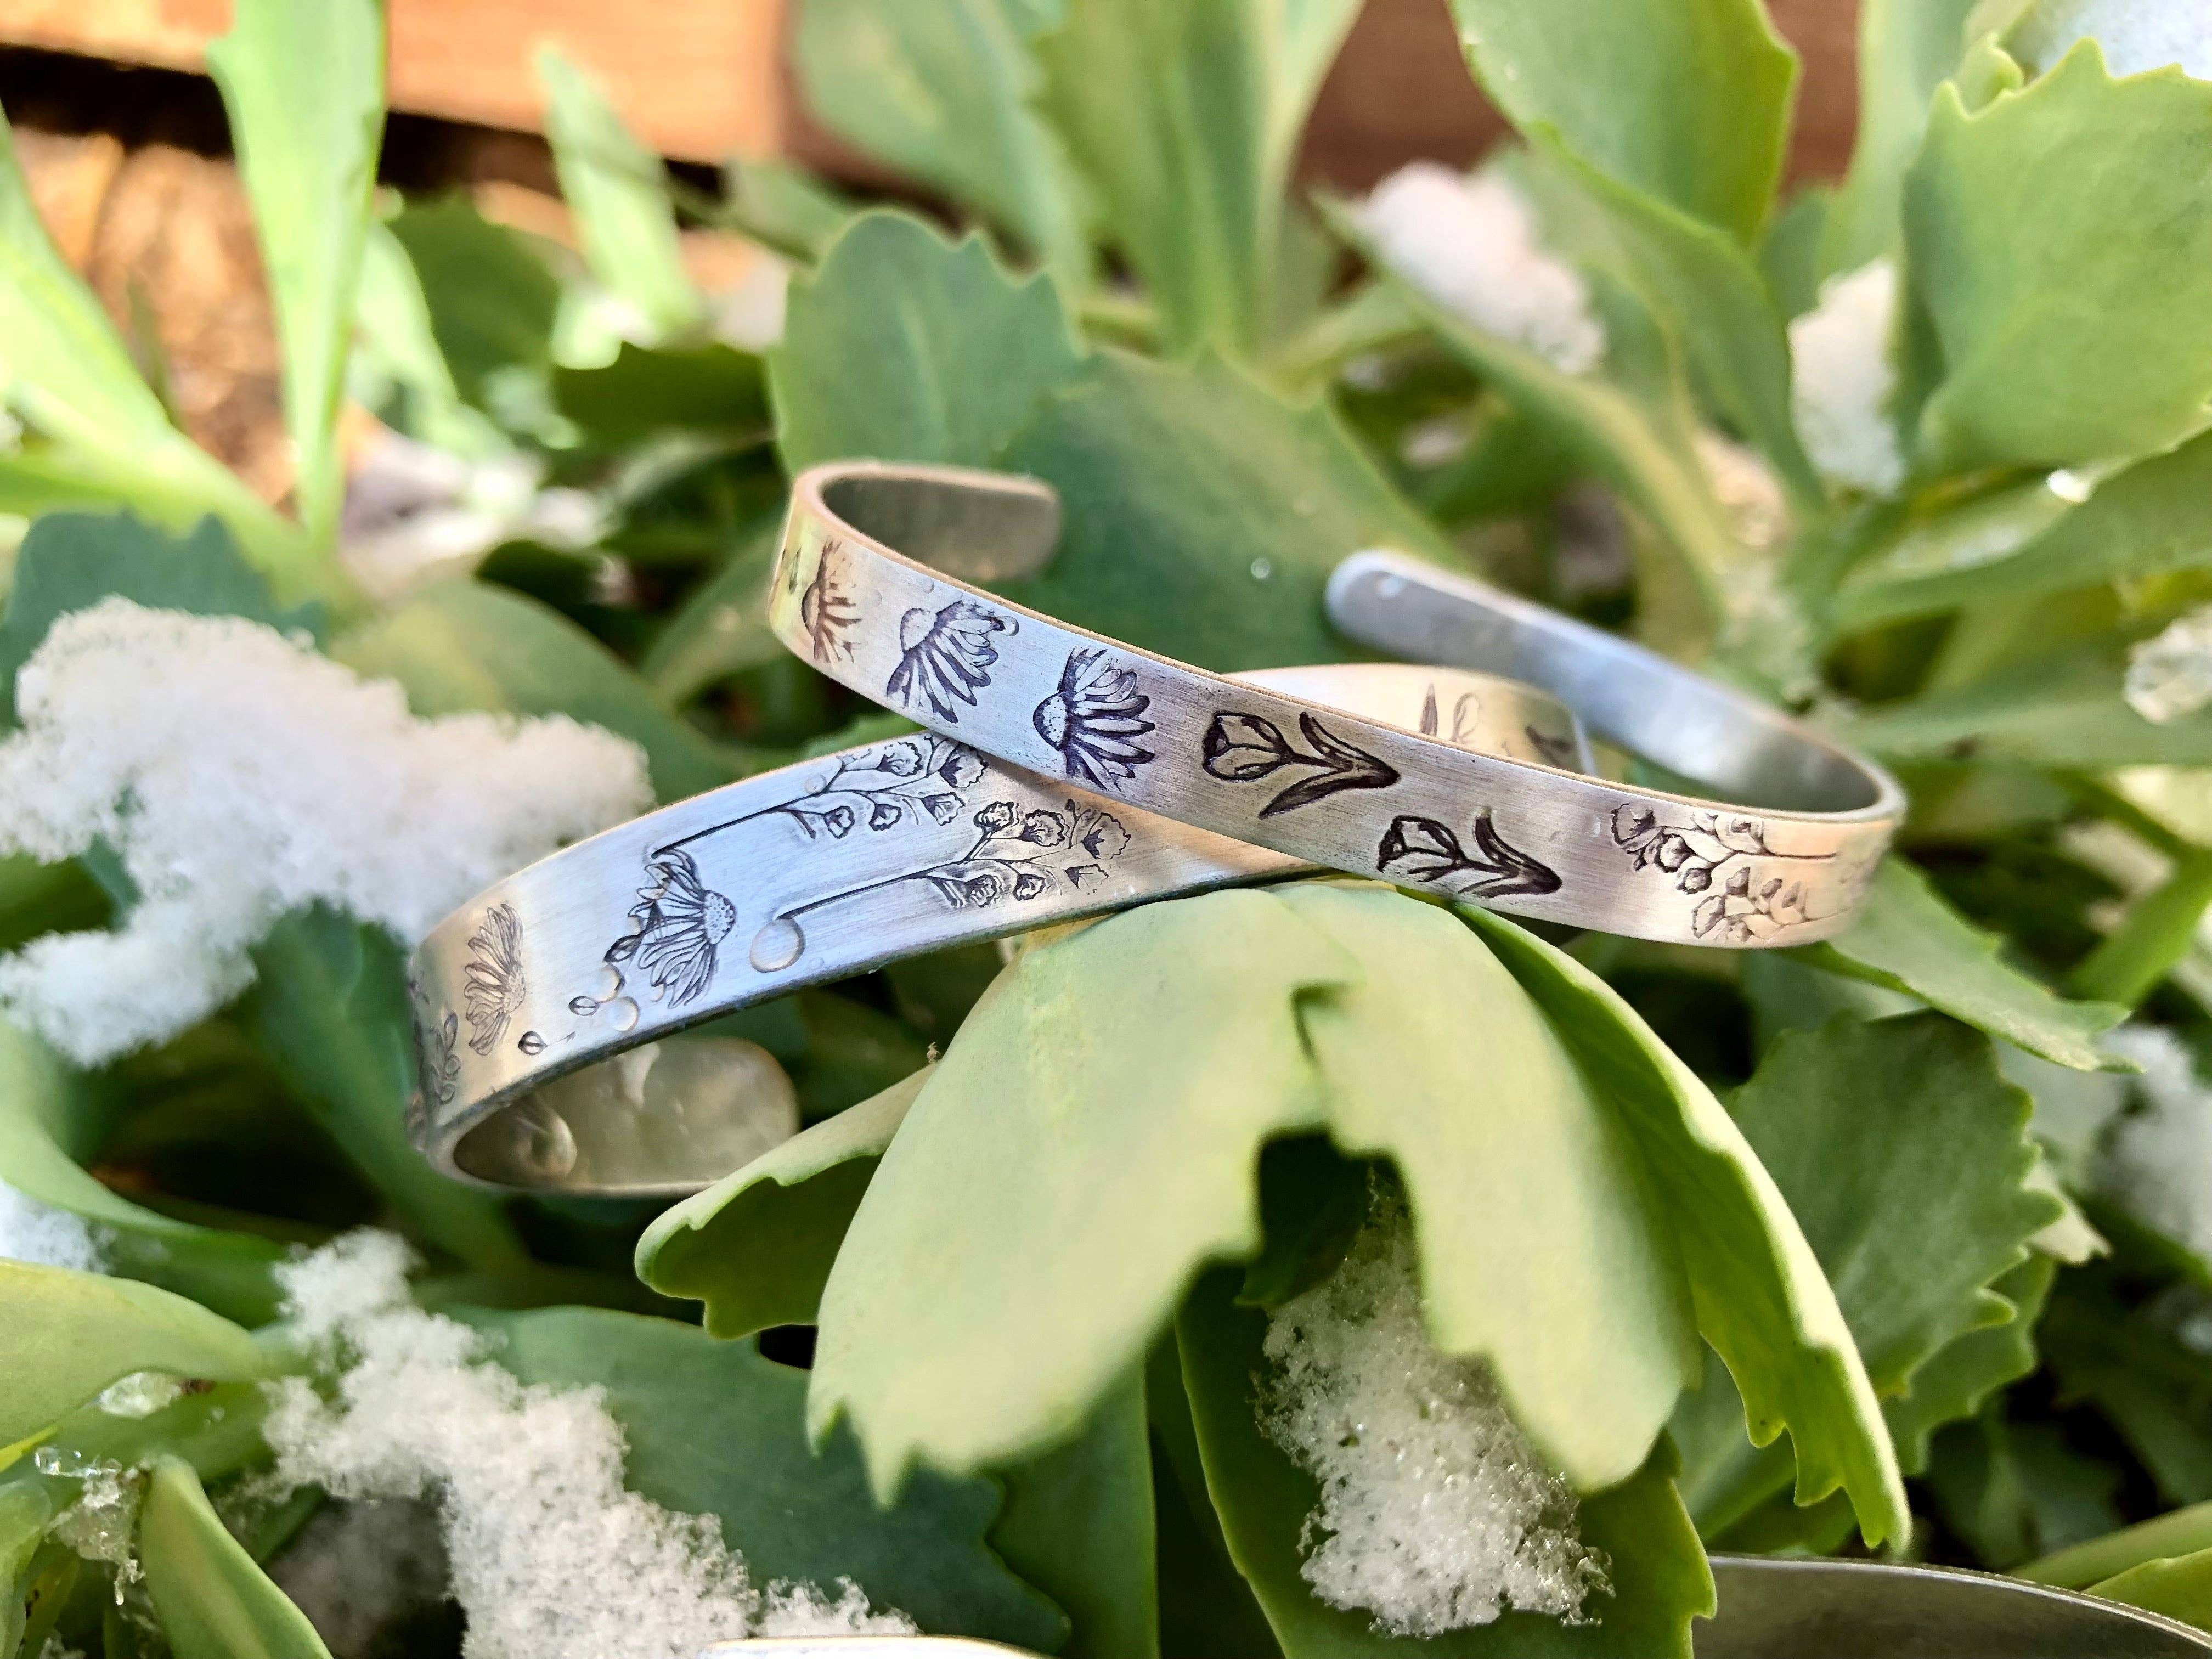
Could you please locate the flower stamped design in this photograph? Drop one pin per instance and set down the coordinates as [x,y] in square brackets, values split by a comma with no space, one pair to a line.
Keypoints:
[1246,749]
[437,1042]
[945,657]
[1423,850]
[826,610]
[1094,719]
[679,922]
[1699,854]
[493,987]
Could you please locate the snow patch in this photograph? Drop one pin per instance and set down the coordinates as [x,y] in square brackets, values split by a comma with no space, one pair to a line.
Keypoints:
[1471,244]
[2169,674]
[2136,34]
[1436,1514]
[43,1236]
[1843,379]
[238,776]
[2158,1161]
[551,1557]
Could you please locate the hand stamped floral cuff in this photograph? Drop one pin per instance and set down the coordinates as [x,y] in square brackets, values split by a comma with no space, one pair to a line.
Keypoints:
[546,1009]
[881,586]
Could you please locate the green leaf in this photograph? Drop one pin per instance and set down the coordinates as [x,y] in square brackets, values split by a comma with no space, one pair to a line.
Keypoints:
[2053,349]
[329,1007]
[783,207]
[1905,1156]
[618,190]
[712,388]
[1704,283]
[397,339]
[907,346]
[1077,1524]
[212,1599]
[41,1102]
[757,1246]
[1542,1248]
[24,1512]
[1203,514]
[1907,48]
[70,1334]
[491,299]
[1658,1572]
[946,90]
[2011,1488]
[713,1428]
[1687,100]
[2180,1587]
[2184,1532]
[2146,520]
[1910,939]
[70,560]
[1033,1173]
[1761,1296]
[1186,114]
[2154,1388]
[1963,1374]
[463,645]
[721,628]
[304,87]
[2063,710]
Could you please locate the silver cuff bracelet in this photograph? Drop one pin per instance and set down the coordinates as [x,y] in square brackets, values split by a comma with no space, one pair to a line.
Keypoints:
[539,1006]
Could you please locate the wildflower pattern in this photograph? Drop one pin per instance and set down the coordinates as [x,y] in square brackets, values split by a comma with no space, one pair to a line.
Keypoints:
[1247,748]
[945,658]
[678,923]
[1423,850]
[1743,907]
[493,982]
[826,610]
[1094,719]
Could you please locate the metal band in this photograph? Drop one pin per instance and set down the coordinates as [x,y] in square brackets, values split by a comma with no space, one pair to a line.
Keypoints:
[809,873]
[877,586]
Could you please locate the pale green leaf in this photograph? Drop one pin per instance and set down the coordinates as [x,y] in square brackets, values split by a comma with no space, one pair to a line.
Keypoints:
[304,87]
[24,1512]
[2066,709]
[2182,1532]
[70,1334]
[757,1246]
[2180,1587]
[946,90]
[212,1599]
[1033,1225]
[713,1428]
[618,190]
[1910,939]
[783,207]
[1186,114]
[42,1105]
[2055,351]
[1542,1250]
[1761,1296]
[1656,1568]
[721,628]
[463,645]
[2146,520]
[1687,100]
[1705,284]
[1907,48]
[905,347]
[397,367]
[491,299]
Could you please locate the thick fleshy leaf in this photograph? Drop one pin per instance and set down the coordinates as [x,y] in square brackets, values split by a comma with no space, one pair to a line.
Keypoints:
[1687,100]
[1186,115]
[70,1334]
[24,1512]
[2063,710]
[711,388]
[755,1247]
[1031,1174]
[906,346]
[329,1007]
[304,87]
[491,298]
[1910,939]
[212,1599]
[1907,48]
[463,645]
[2147,520]
[2053,351]
[1963,1374]
[2012,1489]
[67,372]
[1701,279]
[713,1428]
[1760,1297]
[1204,513]
[2183,1532]
[69,561]
[618,190]
[1077,1524]
[44,1110]
[2132,1366]
[1541,1249]
[2180,1587]
[946,90]
[1657,1568]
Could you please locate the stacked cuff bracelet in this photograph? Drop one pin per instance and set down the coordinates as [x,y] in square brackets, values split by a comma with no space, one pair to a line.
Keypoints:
[877,586]
[539,1005]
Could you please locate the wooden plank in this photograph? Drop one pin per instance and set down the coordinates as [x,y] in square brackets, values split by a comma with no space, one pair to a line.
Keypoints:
[698,79]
